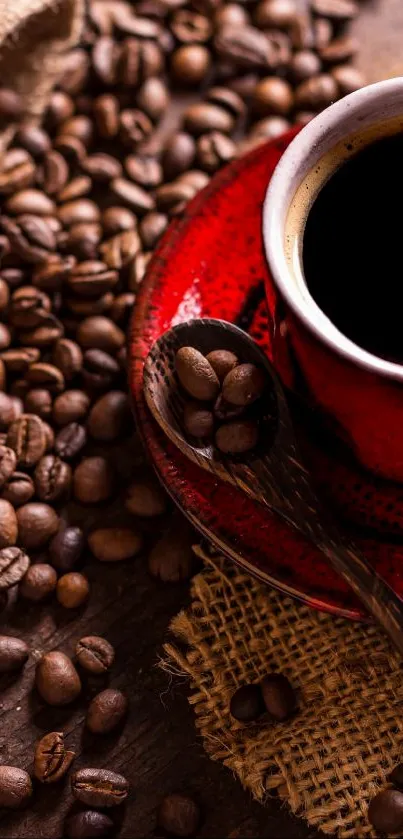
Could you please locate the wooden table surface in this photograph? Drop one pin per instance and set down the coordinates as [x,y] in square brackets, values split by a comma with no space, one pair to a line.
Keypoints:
[158,749]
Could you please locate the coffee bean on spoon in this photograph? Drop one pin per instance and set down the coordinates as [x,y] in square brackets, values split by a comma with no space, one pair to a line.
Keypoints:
[198,421]
[196,374]
[243,385]
[222,362]
[237,437]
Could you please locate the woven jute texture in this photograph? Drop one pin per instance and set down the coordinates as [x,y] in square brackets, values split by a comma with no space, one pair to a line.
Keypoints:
[35,36]
[330,759]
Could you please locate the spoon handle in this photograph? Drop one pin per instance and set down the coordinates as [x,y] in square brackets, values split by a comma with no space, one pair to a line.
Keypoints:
[374,592]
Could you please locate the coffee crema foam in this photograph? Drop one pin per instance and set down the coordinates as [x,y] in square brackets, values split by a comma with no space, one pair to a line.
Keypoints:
[312,184]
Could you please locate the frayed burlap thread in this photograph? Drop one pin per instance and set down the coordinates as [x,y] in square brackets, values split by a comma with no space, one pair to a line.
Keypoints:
[336,753]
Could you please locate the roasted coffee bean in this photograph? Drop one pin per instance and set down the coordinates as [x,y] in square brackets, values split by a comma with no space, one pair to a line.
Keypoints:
[197,420]
[72,590]
[335,9]
[5,339]
[205,116]
[8,462]
[17,173]
[347,79]
[70,441]
[171,559]
[19,489]
[39,401]
[272,96]
[100,333]
[195,374]
[190,64]
[19,359]
[99,787]
[30,201]
[56,679]
[152,226]
[144,170]
[179,815]
[172,198]
[117,219]
[28,307]
[71,148]
[227,99]
[278,696]
[79,211]
[93,480]
[120,250]
[245,47]
[243,385]
[145,498]
[15,787]
[52,760]
[34,139]
[50,275]
[52,478]
[106,711]
[75,71]
[67,356]
[396,776]
[153,98]
[237,437]
[14,563]
[42,374]
[340,49]
[100,369]
[79,126]
[106,115]
[83,240]
[303,65]
[102,167]
[122,308]
[50,437]
[133,195]
[136,274]
[37,523]
[247,703]
[88,824]
[8,524]
[115,544]
[276,14]
[39,581]
[77,188]
[179,154]
[316,93]
[109,416]
[135,127]
[30,237]
[95,654]
[190,27]
[11,105]
[54,172]
[385,811]
[13,653]
[214,150]
[222,362]
[4,295]
[105,57]
[70,406]
[66,547]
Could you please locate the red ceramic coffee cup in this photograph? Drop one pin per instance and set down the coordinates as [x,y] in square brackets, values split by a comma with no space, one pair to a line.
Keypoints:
[361,392]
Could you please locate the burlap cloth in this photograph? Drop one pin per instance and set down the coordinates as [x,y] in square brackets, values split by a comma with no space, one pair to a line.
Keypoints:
[35,36]
[336,753]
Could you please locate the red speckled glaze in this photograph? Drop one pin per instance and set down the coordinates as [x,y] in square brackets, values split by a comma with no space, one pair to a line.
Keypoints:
[211,264]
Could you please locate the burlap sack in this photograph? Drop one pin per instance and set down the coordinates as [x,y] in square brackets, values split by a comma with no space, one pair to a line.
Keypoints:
[337,752]
[34,38]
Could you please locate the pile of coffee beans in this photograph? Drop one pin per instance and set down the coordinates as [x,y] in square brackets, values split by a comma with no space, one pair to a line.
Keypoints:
[385,811]
[273,695]
[85,198]
[222,391]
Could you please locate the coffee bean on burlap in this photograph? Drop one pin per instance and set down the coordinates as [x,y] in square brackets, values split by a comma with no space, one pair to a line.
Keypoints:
[197,421]
[99,787]
[385,811]
[179,815]
[247,703]
[52,760]
[89,824]
[95,654]
[15,787]
[13,653]
[278,696]
[56,679]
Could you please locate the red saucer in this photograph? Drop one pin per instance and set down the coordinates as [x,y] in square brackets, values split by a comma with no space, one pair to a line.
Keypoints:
[211,264]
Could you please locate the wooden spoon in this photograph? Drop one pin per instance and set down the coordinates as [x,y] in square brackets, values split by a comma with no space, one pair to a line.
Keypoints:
[272,473]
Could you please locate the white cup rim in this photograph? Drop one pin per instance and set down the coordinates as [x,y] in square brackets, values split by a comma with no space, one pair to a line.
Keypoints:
[369,100]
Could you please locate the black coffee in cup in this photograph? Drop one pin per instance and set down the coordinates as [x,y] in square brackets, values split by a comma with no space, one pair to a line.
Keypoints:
[353,248]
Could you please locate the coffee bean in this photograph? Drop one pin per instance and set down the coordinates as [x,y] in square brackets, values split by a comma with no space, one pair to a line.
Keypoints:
[131,194]
[37,523]
[8,462]
[72,590]
[214,150]
[197,421]
[335,9]
[70,441]
[115,544]
[34,139]
[347,79]
[153,98]
[272,96]
[243,385]
[54,172]
[172,198]
[247,703]
[11,105]
[237,437]
[204,116]
[106,114]
[66,547]
[100,369]
[8,524]
[145,498]
[83,240]
[13,653]
[39,581]
[38,401]
[52,760]
[396,776]
[5,338]
[385,811]
[14,563]
[67,356]
[105,56]
[30,237]
[17,173]
[316,92]
[109,416]
[304,64]
[50,437]
[152,226]
[179,815]
[100,333]
[143,170]
[79,126]
[93,480]
[179,154]
[340,49]
[190,27]
[171,559]
[120,250]
[278,696]
[245,47]
[15,787]
[75,71]
[77,188]
[102,167]
[56,679]
[71,148]
[79,211]
[19,489]
[190,64]
[276,14]
[70,406]
[60,108]
[19,359]
[195,374]
[99,787]
[52,478]
[88,824]
[50,275]
[42,374]
[135,127]
[106,711]
[95,654]
[30,201]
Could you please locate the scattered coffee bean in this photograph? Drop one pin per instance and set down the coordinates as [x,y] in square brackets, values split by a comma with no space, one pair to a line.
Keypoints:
[72,590]
[146,498]
[15,787]
[14,563]
[88,824]
[39,581]
[106,711]
[115,544]
[99,787]
[247,703]
[8,462]
[26,436]
[93,480]
[56,679]
[52,760]
[70,406]
[109,416]
[347,78]
[37,523]
[278,696]
[385,811]
[52,478]
[172,559]
[179,815]
[195,374]
[13,653]
[94,654]
[66,547]
[8,524]
[70,441]
[396,776]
